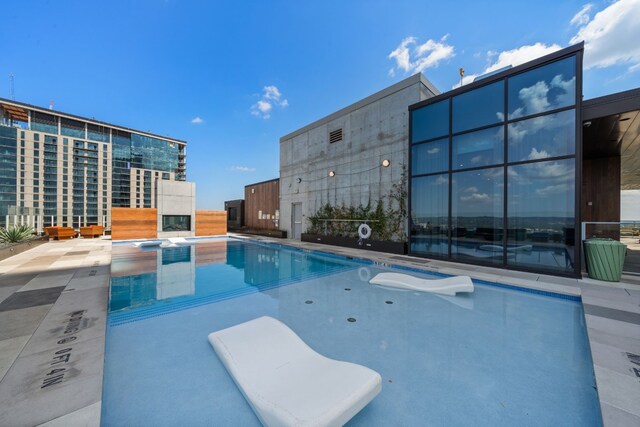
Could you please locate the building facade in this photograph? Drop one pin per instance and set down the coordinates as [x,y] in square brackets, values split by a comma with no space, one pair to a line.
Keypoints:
[340,159]
[495,169]
[61,169]
[512,170]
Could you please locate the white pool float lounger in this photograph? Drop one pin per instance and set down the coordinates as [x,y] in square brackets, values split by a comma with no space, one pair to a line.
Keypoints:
[447,286]
[286,382]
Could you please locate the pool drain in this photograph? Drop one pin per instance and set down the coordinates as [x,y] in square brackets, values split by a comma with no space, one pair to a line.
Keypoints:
[351,319]
[347,289]
[308,301]
[388,302]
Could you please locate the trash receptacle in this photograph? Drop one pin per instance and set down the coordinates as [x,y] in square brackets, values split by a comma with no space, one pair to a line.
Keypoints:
[605,258]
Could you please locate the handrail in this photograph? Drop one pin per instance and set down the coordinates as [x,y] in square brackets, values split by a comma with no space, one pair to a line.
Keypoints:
[619,223]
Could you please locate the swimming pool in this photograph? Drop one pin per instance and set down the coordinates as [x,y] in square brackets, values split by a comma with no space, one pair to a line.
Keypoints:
[498,356]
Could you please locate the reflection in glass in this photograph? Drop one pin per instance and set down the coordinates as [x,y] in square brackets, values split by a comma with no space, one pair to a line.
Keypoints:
[430,122]
[552,135]
[482,148]
[479,107]
[430,157]
[176,222]
[541,215]
[477,215]
[429,215]
[543,89]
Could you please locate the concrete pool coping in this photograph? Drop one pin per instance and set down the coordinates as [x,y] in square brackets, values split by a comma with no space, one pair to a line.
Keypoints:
[53,311]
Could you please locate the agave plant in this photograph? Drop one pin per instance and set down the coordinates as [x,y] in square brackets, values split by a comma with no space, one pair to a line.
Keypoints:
[15,234]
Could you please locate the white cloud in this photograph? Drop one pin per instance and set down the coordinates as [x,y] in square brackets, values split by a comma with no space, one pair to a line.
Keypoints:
[582,17]
[630,205]
[271,96]
[411,57]
[241,169]
[513,57]
[434,150]
[535,154]
[554,189]
[611,37]
[522,54]
[197,120]
[476,197]
[441,180]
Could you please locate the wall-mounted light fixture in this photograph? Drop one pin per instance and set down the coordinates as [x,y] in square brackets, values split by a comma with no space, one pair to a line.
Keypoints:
[332,173]
[386,163]
[253,191]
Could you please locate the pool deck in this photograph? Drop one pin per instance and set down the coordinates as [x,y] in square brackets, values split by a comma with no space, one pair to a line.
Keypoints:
[53,310]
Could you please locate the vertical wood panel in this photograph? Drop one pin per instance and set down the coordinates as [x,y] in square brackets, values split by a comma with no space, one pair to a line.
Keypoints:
[211,223]
[134,223]
[601,186]
[265,198]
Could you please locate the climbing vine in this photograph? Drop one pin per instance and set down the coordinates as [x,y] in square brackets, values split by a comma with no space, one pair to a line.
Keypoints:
[387,217]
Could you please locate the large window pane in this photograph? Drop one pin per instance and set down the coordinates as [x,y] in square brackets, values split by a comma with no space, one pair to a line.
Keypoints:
[430,157]
[479,107]
[541,214]
[475,149]
[552,135]
[543,89]
[477,215]
[429,215]
[430,122]
[176,222]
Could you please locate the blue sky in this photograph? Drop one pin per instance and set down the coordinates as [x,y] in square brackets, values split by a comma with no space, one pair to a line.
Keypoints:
[232,77]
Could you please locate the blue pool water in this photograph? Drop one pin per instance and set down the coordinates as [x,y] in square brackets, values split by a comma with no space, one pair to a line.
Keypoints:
[497,357]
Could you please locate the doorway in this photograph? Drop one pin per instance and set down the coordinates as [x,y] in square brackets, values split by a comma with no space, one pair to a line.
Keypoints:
[296,220]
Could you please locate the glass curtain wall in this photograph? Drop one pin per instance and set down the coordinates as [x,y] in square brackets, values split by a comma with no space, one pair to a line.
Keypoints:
[493,172]
[8,166]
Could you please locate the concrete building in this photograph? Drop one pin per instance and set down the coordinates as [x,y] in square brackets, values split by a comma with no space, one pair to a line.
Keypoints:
[339,158]
[62,169]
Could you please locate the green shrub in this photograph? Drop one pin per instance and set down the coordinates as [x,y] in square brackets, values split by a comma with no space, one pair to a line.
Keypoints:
[15,234]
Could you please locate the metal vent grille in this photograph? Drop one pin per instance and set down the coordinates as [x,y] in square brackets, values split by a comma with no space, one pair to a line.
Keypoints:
[335,136]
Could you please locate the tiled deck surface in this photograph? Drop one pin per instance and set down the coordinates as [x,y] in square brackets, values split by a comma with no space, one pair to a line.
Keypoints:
[53,308]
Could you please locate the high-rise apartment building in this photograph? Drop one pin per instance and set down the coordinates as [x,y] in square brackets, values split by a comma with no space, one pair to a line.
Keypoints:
[61,169]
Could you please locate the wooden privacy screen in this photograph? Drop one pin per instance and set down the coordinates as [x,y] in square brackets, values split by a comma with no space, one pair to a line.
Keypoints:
[134,223]
[264,200]
[211,223]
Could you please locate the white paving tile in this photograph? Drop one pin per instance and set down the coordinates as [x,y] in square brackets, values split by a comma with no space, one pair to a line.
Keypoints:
[9,351]
[618,390]
[89,416]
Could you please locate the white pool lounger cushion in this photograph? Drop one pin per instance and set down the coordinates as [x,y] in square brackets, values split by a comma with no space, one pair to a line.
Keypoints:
[286,382]
[446,286]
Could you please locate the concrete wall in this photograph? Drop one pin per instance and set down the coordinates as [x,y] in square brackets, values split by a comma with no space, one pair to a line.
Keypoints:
[176,198]
[374,129]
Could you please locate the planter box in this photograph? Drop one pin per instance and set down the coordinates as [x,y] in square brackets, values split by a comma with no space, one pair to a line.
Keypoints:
[352,242]
[17,248]
[270,233]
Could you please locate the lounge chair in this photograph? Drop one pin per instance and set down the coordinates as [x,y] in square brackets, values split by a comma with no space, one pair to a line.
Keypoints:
[286,382]
[447,286]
